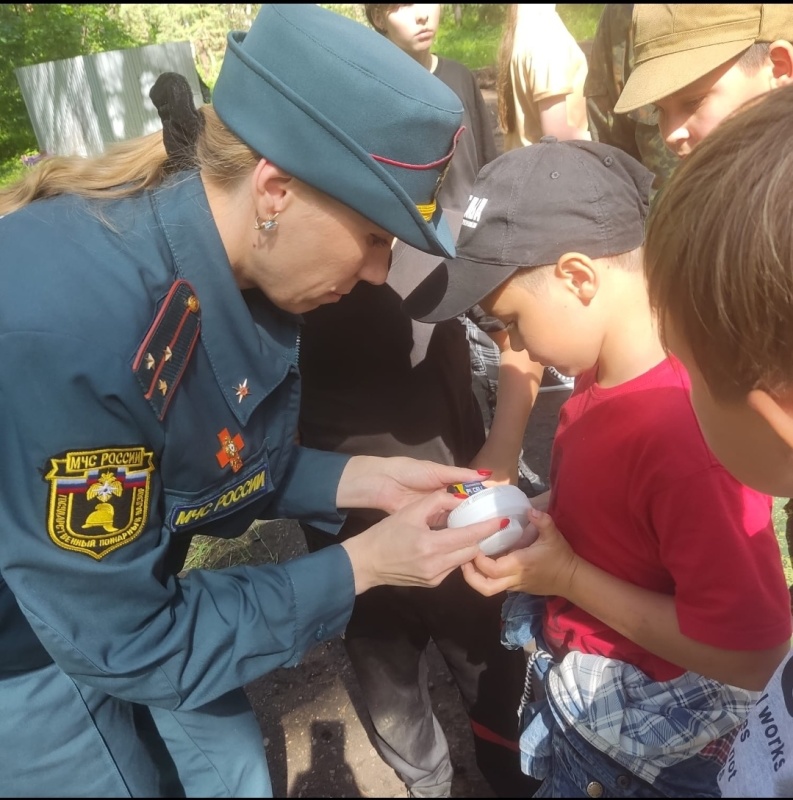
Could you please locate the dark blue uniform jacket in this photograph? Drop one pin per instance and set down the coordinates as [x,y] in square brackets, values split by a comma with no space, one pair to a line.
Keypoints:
[144,398]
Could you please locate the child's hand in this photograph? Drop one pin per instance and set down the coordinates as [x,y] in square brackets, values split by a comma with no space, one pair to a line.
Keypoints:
[544,567]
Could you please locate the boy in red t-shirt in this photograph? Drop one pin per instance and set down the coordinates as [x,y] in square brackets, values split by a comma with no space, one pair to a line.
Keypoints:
[665,604]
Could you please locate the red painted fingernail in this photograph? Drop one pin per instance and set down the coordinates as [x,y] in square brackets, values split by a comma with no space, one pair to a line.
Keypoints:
[485,472]
[461,495]
[504,523]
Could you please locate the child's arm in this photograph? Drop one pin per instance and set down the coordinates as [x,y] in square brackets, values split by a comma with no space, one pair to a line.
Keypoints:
[550,567]
[518,383]
[554,119]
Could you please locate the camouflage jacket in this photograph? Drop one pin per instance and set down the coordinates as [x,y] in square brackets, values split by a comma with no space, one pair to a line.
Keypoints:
[610,64]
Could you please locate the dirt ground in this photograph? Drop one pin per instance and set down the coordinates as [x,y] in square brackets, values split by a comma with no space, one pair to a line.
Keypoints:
[315,726]
[314,723]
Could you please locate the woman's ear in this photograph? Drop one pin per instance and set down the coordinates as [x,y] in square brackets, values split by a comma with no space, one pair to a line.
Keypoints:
[271,188]
[776,411]
[579,275]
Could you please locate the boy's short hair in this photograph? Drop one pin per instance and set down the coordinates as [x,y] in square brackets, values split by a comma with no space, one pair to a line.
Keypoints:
[535,278]
[677,44]
[527,208]
[372,9]
[719,250]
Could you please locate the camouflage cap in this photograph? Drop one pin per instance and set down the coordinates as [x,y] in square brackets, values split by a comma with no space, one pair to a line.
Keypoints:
[675,45]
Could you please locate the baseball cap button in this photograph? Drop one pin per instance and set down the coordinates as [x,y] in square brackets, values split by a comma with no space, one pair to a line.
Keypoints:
[549,139]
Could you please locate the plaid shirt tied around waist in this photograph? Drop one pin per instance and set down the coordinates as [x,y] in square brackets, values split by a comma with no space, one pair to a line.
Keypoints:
[642,724]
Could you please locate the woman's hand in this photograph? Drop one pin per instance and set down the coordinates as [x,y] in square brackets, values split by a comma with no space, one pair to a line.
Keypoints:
[392,483]
[405,550]
[545,566]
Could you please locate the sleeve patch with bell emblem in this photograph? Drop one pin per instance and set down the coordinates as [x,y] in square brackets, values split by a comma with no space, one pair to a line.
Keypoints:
[167,346]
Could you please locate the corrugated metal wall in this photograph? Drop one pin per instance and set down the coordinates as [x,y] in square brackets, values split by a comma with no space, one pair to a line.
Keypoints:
[80,105]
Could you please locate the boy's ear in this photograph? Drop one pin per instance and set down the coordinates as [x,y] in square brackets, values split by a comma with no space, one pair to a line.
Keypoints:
[781,54]
[777,412]
[579,275]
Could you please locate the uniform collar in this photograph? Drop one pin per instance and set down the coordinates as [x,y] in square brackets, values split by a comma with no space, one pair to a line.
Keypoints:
[249,359]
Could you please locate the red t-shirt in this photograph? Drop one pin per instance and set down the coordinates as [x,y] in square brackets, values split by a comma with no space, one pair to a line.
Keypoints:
[637,492]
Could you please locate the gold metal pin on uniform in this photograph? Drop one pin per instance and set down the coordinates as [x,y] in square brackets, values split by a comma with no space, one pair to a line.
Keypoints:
[162,386]
[242,390]
[167,355]
[150,362]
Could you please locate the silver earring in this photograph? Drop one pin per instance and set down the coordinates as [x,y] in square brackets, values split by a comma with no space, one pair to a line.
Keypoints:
[268,225]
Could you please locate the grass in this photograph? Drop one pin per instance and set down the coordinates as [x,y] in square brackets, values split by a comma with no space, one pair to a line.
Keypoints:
[780,519]
[207,552]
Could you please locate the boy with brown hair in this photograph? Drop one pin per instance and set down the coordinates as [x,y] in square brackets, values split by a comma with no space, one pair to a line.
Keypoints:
[719,266]
[698,63]
[660,609]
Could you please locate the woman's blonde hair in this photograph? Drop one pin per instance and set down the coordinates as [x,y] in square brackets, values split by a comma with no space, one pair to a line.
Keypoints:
[719,250]
[130,167]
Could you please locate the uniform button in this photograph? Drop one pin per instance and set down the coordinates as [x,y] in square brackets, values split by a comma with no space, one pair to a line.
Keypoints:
[594,789]
[623,781]
[321,633]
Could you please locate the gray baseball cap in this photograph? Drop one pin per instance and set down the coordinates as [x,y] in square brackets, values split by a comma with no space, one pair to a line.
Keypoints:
[530,206]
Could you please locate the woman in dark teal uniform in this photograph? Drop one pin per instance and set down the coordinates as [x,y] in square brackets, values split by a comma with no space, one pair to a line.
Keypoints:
[149,344]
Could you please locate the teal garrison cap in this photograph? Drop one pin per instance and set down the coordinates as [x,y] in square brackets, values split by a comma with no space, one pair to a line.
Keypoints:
[335,104]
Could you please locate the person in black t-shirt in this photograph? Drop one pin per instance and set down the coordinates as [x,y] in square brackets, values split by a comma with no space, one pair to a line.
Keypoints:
[376,382]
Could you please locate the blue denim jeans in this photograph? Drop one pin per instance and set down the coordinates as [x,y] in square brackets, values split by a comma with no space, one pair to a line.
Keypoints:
[579,770]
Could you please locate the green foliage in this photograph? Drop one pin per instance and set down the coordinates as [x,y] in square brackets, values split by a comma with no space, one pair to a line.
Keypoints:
[206,25]
[581,19]
[34,33]
[474,42]
[11,170]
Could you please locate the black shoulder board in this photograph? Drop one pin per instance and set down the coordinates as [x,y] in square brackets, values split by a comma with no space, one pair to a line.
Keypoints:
[166,348]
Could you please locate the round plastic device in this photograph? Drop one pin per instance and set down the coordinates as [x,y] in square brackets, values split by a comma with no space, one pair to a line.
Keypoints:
[504,502]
